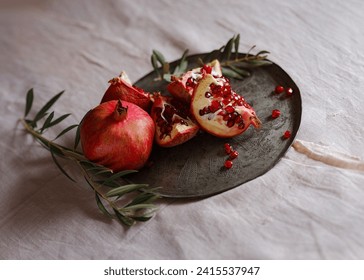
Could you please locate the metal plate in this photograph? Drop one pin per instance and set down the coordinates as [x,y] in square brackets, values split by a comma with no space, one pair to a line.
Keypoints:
[195,168]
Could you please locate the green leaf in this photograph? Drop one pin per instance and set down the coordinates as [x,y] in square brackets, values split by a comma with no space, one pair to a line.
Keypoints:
[167,77]
[242,72]
[29,102]
[184,55]
[231,73]
[77,137]
[228,49]
[143,198]
[125,189]
[46,107]
[181,68]
[102,207]
[262,52]
[160,57]
[236,45]
[66,130]
[59,166]
[154,62]
[139,207]
[119,174]
[47,122]
[142,218]
[123,219]
[59,119]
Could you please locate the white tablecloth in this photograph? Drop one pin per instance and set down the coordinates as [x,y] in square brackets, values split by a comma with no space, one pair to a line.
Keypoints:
[301,209]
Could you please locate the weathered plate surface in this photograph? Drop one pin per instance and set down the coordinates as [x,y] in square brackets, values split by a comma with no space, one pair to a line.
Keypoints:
[195,168]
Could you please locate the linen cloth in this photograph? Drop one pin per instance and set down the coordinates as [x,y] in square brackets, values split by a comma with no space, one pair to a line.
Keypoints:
[301,209]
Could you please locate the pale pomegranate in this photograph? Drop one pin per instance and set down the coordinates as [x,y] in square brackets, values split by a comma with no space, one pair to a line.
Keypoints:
[117,134]
[121,88]
[219,110]
[172,121]
[182,87]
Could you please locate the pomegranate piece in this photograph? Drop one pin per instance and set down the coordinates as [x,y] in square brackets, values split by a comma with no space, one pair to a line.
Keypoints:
[117,134]
[173,125]
[121,88]
[222,112]
[182,87]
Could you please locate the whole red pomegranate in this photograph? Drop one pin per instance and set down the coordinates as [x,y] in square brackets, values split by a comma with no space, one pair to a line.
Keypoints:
[219,110]
[172,121]
[121,88]
[117,134]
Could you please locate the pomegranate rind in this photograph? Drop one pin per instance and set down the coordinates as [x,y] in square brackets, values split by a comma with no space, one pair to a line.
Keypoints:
[178,88]
[213,123]
[180,133]
[119,144]
[121,88]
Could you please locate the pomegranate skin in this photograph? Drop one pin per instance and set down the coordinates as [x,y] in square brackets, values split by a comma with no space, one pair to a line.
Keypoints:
[116,137]
[121,88]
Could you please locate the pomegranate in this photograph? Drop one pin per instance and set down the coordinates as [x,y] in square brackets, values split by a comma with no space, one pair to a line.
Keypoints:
[118,135]
[121,88]
[172,121]
[219,110]
[182,87]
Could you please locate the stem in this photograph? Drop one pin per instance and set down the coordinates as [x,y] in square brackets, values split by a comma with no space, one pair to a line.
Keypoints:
[68,153]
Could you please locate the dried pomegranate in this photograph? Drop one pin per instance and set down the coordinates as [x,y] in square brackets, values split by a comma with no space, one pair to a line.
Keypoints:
[182,87]
[121,88]
[118,135]
[172,122]
[219,110]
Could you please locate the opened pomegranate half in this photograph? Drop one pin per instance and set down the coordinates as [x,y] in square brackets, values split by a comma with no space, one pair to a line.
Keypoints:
[118,135]
[172,121]
[121,88]
[182,87]
[219,110]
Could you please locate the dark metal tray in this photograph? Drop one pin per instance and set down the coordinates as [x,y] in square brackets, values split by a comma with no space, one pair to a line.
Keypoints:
[195,168]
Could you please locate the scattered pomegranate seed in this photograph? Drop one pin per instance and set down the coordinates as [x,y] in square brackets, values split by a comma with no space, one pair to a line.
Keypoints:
[228,164]
[276,113]
[287,134]
[289,91]
[279,89]
[228,148]
[233,154]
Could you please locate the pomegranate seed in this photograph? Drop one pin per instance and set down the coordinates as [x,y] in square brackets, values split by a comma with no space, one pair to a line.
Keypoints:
[230,109]
[275,113]
[190,82]
[215,105]
[287,134]
[279,89]
[233,154]
[289,91]
[230,123]
[228,164]
[207,69]
[208,94]
[228,148]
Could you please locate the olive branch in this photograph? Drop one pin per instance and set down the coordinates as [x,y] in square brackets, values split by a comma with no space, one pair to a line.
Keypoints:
[233,64]
[115,197]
